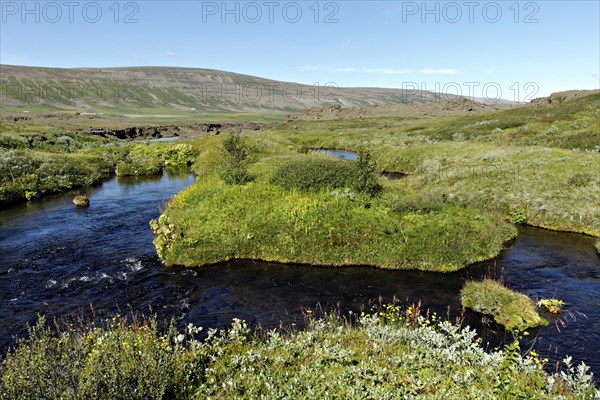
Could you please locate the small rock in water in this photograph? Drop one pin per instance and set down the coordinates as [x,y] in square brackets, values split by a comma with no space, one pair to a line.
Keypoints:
[81,201]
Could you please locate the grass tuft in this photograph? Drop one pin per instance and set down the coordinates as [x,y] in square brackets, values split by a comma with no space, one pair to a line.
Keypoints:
[508,308]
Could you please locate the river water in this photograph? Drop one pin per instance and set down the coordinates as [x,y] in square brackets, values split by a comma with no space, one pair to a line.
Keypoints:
[56,260]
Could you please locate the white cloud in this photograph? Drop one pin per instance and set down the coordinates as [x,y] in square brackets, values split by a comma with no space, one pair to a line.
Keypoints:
[596,77]
[346,44]
[170,53]
[382,71]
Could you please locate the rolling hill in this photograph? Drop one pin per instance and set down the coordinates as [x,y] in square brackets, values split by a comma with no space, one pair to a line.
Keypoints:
[146,91]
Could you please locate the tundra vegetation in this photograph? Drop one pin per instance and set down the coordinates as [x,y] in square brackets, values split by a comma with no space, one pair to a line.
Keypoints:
[391,352]
[470,180]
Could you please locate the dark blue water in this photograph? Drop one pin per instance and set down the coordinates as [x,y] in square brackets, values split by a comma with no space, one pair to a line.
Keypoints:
[342,154]
[57,260]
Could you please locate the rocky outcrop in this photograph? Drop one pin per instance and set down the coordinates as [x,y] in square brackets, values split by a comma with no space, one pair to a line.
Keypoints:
[170,130]
[137,132]
[561,97]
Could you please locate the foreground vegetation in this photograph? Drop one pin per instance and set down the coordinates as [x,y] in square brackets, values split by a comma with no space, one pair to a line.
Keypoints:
[508,308]
[393,353]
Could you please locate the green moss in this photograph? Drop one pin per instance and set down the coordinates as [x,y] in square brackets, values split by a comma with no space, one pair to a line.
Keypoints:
[508,308]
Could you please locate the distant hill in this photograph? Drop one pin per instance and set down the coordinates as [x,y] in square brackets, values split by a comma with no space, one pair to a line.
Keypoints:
[144,90]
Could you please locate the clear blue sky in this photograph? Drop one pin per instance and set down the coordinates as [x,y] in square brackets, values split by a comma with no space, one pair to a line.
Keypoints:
[553,44]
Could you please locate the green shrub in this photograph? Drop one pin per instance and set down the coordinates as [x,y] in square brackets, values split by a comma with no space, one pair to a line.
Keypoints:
[235,155]
[517,216]
[180,154]
[123,360]
[315,173]
[149,158]
[391,352]
[367,181]
[26,174]
[553,306]
[138,166]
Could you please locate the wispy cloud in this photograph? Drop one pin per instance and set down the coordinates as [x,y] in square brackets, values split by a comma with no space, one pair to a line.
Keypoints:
[345,44]
[383,71]
[596,77]
[170,53]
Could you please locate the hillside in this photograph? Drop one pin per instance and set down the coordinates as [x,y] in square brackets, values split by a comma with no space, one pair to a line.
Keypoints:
[148,91]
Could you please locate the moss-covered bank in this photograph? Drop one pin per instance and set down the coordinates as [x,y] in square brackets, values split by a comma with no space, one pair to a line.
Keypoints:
[508,308]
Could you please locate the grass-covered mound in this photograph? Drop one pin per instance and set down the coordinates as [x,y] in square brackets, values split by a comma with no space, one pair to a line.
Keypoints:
[395,353]
[508,308]
[212,222]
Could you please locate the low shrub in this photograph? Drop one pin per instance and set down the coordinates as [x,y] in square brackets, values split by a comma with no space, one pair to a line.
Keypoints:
[179,154]
[366,166]
[123,360]
[28,174]
[138,166]
[391,352]
[315,173]
[235,158]
[149,159]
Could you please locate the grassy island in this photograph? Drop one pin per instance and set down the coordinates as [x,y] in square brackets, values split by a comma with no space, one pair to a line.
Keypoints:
[508,308]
